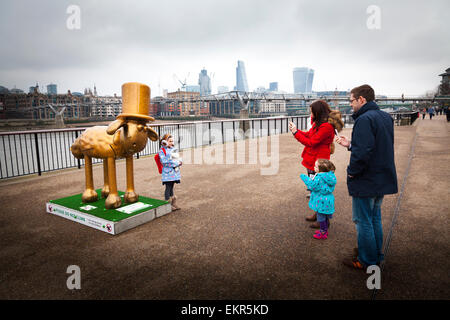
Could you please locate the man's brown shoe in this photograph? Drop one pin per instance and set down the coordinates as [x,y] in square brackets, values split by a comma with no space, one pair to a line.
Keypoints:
[355,256]
[312,217]
[354,263]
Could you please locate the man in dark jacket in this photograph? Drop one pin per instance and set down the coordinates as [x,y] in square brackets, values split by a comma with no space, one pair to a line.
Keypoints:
[370,175]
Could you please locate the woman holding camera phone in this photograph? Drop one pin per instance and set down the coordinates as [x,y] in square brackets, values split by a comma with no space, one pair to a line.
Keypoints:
[318,141]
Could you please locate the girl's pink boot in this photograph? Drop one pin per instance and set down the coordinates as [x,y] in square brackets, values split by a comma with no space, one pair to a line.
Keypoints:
[320,235]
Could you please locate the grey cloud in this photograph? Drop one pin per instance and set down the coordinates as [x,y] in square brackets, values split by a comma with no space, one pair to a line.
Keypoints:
[41,40]
[412,31]
[38,42]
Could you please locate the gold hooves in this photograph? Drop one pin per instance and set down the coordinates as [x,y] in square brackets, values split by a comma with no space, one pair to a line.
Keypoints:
[113,201]
[130,197]
[105,192]
[89,195]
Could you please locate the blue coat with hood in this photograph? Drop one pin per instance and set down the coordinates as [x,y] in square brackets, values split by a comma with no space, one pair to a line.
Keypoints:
[372,164]
[168,172]
[322,187]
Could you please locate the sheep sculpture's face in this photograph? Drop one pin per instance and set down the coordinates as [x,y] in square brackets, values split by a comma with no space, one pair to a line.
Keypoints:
[133,135]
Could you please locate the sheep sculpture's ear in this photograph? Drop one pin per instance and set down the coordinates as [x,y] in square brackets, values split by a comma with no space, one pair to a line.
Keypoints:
[152,135]
[114,126]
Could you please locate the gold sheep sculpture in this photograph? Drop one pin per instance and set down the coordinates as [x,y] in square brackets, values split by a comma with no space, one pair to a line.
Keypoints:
[121,139]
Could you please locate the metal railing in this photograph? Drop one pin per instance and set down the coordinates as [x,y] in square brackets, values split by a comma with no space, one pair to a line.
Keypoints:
[405,118]
[34,152]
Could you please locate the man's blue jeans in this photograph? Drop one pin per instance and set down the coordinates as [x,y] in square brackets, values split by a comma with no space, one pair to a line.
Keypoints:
[367,217]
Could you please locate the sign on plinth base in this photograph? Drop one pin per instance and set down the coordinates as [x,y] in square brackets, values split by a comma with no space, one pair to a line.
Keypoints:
[112,221]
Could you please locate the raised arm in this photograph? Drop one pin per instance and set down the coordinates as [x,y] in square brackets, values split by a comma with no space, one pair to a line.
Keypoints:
[311,140]
[313,185]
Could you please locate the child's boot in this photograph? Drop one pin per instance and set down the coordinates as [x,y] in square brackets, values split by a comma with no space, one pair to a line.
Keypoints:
[171,204]
[321,234]
[312,217]
[174,203]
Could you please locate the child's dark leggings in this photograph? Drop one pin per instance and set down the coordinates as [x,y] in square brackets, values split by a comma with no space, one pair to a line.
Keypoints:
[169,190]
[324,225]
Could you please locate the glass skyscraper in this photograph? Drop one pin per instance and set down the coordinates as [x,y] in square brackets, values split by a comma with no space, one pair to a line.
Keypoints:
[51,89]
[303,79]
[241,77]
[204,82]
[273,86]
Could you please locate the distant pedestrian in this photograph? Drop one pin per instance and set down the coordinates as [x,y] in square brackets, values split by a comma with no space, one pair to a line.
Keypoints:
[322,198]
[318,141]
[431,112]
[423,112]
[371,174]
[170,169]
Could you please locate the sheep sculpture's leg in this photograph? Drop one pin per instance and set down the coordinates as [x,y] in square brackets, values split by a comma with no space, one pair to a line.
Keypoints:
[113,201]
[89,194]
[130,194]
[105,190]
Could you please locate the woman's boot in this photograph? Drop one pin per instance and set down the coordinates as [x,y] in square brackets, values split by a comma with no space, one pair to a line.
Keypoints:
[312,217]
[316,225]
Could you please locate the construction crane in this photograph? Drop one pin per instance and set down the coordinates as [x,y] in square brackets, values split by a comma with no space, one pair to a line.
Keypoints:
[183,83]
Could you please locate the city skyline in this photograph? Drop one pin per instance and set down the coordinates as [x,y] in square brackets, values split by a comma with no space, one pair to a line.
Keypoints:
[118,43]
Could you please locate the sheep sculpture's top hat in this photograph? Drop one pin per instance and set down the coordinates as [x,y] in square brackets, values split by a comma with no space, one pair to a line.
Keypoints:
[135,101]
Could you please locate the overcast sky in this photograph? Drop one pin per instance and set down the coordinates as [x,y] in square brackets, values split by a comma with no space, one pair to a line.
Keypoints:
[150,41]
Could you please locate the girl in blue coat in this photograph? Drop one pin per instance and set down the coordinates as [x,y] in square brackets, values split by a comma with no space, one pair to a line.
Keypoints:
[170,171]
[322,198]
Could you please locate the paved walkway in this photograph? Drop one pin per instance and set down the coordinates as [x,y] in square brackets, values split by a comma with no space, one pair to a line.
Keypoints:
[240,234]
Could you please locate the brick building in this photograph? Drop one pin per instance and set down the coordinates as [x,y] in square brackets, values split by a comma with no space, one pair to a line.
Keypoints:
[36,105]
[186,107]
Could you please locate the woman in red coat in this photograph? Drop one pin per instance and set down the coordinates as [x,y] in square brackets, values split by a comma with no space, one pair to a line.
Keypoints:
[318,141]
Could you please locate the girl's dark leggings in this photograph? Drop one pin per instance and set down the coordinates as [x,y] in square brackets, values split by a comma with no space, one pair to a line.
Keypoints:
[324,225]
[169,190]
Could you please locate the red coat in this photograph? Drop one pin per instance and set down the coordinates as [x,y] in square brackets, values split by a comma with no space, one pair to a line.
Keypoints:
[317,144]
